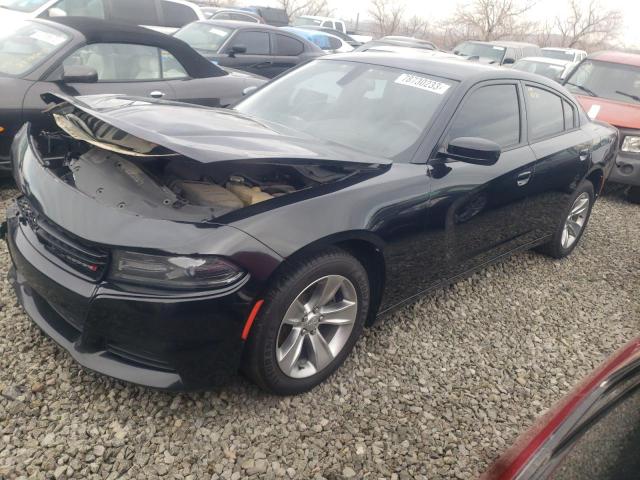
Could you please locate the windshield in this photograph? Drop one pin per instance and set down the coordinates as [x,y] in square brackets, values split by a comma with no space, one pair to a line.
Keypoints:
[483,50]
[26,6]
[558,54]
[302,21]
[26,46]
[613,81]
[554,72]
[377,110]
[204,36]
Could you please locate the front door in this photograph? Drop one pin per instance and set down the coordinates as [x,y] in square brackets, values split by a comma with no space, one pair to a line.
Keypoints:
[257,56]
[480,212]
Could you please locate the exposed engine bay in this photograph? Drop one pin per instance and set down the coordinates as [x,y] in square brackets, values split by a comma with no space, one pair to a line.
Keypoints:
[142,178]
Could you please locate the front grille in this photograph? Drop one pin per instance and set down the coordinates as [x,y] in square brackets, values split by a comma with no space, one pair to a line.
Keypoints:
[86,259]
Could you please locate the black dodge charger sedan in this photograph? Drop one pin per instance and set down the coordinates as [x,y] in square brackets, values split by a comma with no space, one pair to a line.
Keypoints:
[85,56]
[170,245]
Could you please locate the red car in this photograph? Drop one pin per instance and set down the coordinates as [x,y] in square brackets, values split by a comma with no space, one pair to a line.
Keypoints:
[607,84]
[594,433]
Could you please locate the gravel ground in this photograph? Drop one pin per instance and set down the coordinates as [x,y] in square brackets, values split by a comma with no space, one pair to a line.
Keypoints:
[436,391]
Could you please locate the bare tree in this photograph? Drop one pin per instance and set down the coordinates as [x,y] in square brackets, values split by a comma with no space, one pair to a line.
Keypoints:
[589,25]
[295,8]
[493,19]
[387,15]
[415,27]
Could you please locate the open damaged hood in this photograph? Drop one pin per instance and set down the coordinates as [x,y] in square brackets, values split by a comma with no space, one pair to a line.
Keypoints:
[152,128]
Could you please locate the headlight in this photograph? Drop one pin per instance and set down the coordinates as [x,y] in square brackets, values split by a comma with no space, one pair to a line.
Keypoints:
[631,144]
[173,272]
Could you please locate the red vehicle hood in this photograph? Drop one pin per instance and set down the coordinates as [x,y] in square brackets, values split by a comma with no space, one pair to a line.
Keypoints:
[618,114]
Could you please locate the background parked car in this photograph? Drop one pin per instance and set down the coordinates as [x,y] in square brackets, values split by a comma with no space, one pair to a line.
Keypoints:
[499,52]
[260,49]
[326,22]
[344,36]
[397,41]
[215,13]
[162,15]
[271,16]
[593,433]
[86,56]
[569,54]
[551,68]
[326,41]
[607,84]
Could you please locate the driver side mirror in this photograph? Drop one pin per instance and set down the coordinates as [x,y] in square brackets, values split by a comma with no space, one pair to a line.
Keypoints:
[478,151]
[237,50]
[79,74]
[509,61]
[56,12]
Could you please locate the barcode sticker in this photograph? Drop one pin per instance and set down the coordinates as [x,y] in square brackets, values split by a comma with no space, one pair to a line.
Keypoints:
[422,83]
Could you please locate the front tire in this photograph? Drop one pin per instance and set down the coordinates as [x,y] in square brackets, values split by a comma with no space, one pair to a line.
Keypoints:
[573,224]
[309,323]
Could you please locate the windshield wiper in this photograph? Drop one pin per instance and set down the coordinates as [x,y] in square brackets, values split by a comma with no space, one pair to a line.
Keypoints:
[630,95]
[583,88]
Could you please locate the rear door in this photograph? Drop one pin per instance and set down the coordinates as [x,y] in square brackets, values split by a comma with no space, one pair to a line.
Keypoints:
[482,210]
[563,151]
[287,52]
[257,59]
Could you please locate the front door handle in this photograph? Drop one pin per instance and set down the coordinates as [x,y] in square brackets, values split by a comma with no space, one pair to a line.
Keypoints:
[157,94]
[524,178]
[584,154]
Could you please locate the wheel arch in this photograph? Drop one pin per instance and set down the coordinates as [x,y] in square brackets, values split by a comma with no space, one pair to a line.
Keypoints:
[596,177]
[365,246]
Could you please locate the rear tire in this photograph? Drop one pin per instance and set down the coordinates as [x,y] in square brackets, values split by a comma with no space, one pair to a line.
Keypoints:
[633,195]
[304,331]
[573,224]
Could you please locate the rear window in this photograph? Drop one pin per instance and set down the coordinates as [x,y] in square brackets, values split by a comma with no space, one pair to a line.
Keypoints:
[177,15]
[139,12]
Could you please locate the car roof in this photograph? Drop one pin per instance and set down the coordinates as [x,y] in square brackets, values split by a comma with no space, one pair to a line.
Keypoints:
[504,43]
[624,58]
[560,49]
[96,30]
[550,61]
[451,68]
[236,24]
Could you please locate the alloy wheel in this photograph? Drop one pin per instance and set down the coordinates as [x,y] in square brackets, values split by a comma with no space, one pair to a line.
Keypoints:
[575,221]
[316,326]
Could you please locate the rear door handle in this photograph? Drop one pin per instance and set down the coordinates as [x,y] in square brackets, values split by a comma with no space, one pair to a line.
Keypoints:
[157,94]
[584,154]
[523,178]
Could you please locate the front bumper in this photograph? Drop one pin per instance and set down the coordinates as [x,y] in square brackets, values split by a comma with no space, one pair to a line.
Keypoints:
[173,342]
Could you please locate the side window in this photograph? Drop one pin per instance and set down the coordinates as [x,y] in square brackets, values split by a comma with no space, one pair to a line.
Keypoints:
[243,18]
[257,43]
[287,46]
[119,62]
[327,24]
[569,115]
[177,15]
[544,113]
[492,113]
[171,68]
[91,8]
[140,12]
[335,43]
[340,26]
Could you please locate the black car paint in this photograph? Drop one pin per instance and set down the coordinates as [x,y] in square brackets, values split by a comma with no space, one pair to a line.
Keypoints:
[22,102]
[269,66]
[416,225]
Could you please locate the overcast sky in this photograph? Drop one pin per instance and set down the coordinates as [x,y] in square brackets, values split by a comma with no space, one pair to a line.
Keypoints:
[438,10]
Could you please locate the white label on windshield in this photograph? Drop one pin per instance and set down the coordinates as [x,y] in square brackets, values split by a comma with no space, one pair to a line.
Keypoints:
[498,48]
[50,38]
[217,31]
[422,83]
[594,111]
